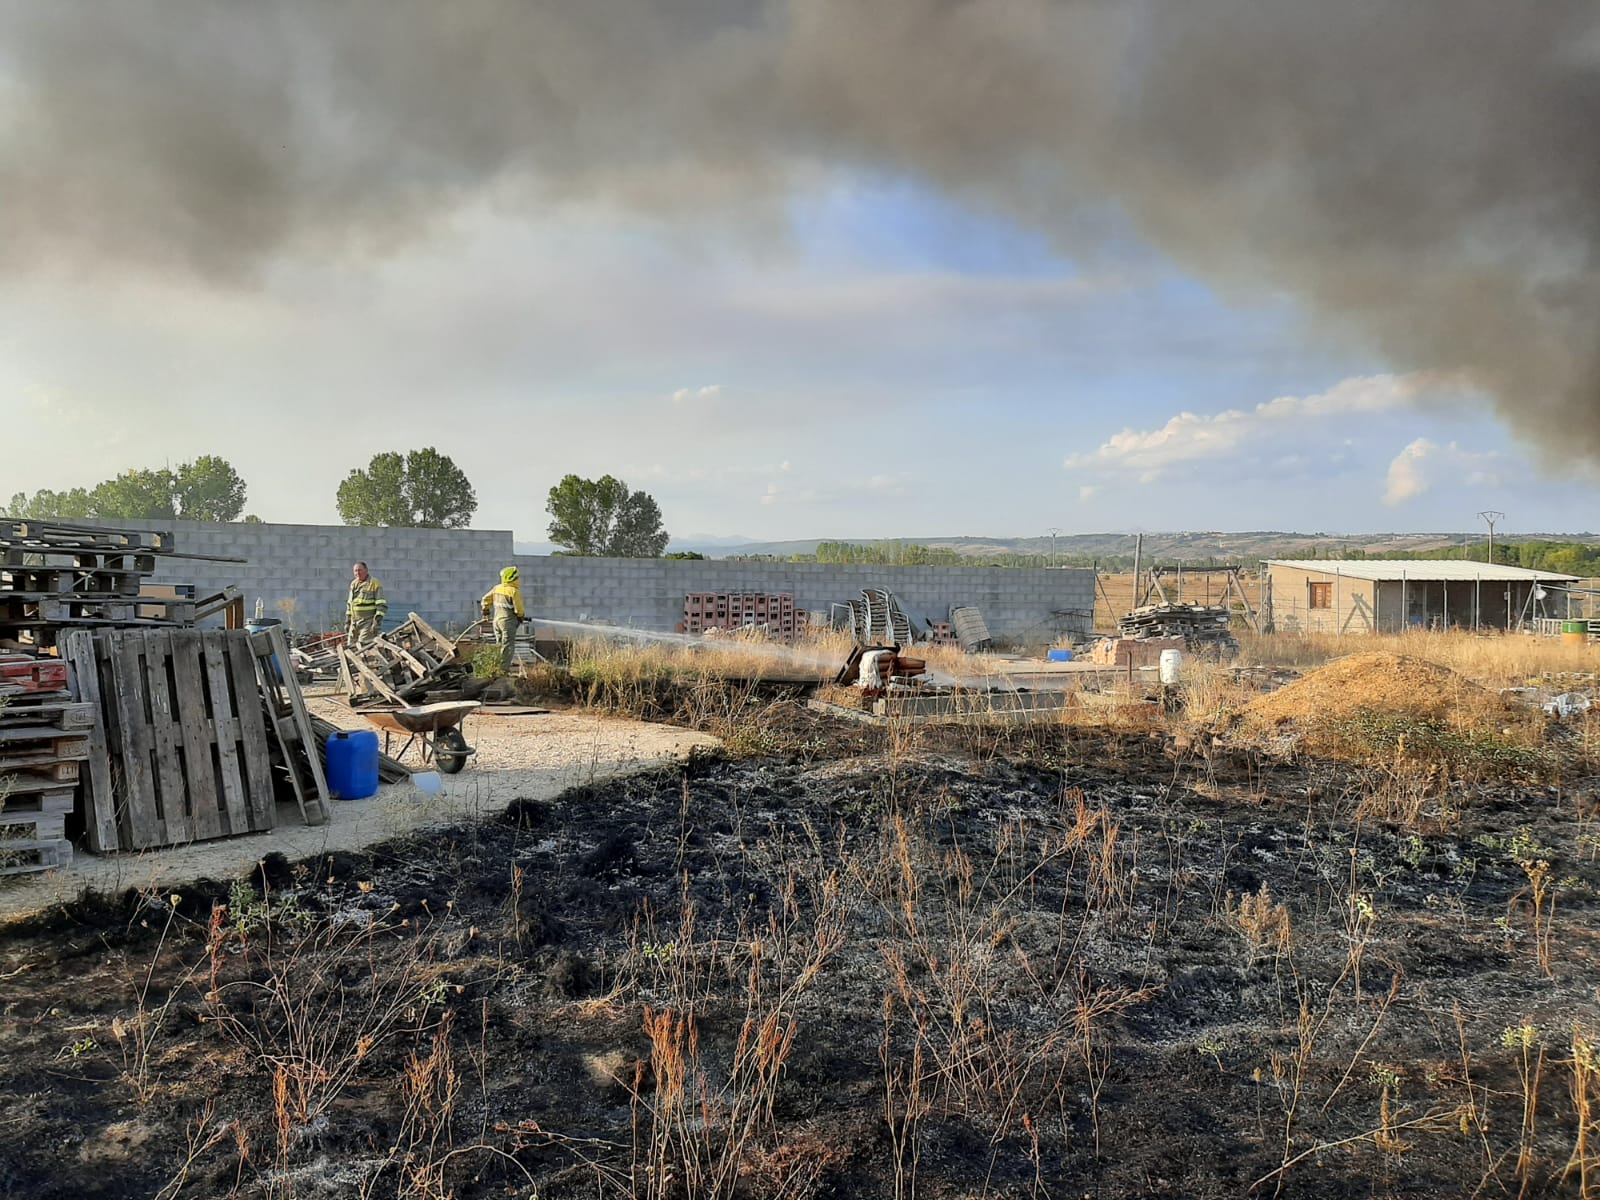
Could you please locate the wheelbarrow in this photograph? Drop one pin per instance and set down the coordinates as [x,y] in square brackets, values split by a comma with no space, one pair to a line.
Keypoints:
[434,727]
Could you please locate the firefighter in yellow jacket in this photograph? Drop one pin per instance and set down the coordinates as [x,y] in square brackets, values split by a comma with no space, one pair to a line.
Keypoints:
[504,603]
[366,608]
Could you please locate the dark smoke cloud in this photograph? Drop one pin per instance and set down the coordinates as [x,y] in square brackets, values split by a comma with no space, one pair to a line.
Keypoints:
[1423,174]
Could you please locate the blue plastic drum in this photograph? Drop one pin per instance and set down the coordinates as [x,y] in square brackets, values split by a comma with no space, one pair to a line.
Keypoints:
[353,764]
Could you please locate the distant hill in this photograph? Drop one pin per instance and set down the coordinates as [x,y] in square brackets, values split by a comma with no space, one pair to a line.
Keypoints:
[1186,546]
[1191,546]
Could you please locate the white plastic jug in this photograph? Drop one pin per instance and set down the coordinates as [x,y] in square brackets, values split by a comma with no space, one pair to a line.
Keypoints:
[1171,665]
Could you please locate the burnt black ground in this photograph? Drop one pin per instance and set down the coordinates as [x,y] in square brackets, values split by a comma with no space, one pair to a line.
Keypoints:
[532,946]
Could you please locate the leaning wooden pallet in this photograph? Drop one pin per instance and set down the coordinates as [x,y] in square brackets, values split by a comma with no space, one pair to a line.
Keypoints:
[184,736]
[291,726]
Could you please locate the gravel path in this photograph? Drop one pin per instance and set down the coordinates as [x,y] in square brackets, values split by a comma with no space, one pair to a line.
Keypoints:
[524,757]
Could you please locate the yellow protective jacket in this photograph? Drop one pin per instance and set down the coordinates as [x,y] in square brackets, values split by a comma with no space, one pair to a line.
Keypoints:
[366,598]
[504,595]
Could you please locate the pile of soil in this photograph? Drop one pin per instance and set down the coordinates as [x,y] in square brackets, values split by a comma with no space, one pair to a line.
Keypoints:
[1393,684]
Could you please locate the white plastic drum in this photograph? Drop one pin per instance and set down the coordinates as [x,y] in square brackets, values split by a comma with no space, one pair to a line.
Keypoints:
[1171,665]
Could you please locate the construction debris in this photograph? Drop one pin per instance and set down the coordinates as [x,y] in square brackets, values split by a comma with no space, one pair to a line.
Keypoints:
[878,620]
[1203,628]
[877,669]
[317,658]
[971,633]
[1133,652]
[412,664]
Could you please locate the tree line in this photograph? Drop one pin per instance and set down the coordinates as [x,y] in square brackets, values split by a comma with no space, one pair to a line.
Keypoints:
[915,554]
[1561,558]
[418,489]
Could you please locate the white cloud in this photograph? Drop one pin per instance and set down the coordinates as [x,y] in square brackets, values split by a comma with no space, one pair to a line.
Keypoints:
[1087,490]
[1192,437]
[1423,463]
[684,395]
[1408,472]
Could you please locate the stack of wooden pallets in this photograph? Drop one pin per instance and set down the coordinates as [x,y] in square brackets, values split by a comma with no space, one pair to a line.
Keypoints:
[45,738]
[1203,627]
[169,734]
[56,576]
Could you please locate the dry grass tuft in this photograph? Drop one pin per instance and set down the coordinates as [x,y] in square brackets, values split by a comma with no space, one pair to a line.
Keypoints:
[1492,659]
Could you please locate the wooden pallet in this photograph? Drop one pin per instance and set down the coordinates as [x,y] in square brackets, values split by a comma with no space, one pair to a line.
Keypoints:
[21,608]
[22,807]
[185,746]
[52,710]
[26,856]
[77,559]
[33,831]
[56,534]
[71,581]
[24,674]
[291,726]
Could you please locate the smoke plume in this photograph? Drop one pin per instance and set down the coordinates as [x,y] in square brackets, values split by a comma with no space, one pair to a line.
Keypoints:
[1423,175]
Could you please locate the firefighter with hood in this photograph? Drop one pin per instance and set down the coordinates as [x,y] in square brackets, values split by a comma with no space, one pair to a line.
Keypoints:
[504,603]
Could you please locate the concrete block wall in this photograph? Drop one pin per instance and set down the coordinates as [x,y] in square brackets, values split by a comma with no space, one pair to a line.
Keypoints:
[441,573]
[1018,605]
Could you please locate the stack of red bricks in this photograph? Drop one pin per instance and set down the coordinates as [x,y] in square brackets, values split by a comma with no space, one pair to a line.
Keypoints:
[776,614]
[943,634]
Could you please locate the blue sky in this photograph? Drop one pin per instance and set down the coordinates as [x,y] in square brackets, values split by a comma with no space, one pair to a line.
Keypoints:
[871,361]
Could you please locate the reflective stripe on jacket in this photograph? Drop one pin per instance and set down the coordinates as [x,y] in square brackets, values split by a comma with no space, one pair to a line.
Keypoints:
[504,595]
[366,598]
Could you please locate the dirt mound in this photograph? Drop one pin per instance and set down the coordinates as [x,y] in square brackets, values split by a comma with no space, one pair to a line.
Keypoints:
[1394,684]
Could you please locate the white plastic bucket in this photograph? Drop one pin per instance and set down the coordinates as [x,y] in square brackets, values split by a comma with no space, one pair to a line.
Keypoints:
[1171,665]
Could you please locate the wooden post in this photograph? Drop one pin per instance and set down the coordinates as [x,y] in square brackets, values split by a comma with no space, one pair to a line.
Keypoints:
[1138,556]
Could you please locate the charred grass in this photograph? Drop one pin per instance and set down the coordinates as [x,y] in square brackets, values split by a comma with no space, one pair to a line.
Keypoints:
[1046,960]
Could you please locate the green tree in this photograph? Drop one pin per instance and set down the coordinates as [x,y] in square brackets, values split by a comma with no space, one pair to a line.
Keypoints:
[136,494]
[601,517]
[421,488]
[74,505]
[208,489]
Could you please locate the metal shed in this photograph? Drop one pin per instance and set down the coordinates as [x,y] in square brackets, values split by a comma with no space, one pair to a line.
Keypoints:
[1389,595]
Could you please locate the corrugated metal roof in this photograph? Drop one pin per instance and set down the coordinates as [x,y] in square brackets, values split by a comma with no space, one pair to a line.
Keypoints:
[1417,569]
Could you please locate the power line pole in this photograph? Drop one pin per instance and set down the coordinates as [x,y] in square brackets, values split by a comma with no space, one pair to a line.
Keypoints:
[1491,516]
[1052,531]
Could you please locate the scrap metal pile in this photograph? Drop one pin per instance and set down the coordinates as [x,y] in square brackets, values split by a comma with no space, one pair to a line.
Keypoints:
[878,620]
[412,664]
[1204,628]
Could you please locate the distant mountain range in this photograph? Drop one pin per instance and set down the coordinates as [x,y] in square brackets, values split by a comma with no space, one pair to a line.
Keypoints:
[1188,546]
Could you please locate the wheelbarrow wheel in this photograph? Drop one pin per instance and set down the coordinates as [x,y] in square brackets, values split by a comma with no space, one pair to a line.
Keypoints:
[449,750]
